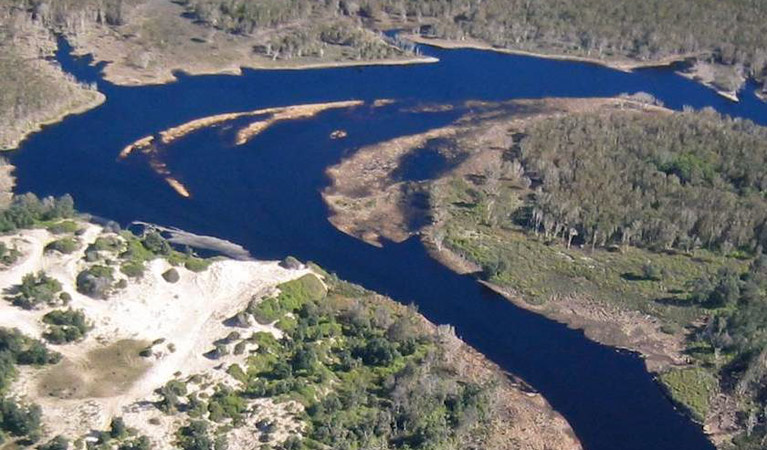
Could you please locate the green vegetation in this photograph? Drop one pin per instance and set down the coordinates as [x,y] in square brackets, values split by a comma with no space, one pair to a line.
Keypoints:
[8,256]
[304,28]
[649,212]
[64,245]
[368,372]
[20,421]
[731,32]
[95,281]
[692,388]
[683,181]
[27,211]
[65,326]
[35,289]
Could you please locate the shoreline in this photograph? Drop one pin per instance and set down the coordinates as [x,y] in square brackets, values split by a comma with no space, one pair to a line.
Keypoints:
[654,363]
[626,65]
[98,99]
[167,75]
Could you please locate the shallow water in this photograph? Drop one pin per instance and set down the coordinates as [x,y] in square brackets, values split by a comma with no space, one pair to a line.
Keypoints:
[266,196]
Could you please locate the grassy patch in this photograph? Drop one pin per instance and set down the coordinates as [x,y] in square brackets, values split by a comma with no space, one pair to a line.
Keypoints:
[106,371]
[540,270]
[293,295]
[691,388]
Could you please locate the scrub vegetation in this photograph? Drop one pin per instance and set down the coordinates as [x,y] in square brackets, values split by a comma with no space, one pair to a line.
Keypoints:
[20,422]
[365,371]
[658,213]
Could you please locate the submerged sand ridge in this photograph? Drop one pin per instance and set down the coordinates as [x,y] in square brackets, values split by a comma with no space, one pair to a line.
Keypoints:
[153,145]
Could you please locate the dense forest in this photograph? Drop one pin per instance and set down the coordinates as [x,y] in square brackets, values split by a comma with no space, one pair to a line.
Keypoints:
[736,340]
[683,181]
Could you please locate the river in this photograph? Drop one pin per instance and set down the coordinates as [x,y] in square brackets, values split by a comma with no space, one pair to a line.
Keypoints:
[266,196]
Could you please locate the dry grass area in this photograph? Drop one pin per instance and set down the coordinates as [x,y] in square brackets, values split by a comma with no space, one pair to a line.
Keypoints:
[103,376]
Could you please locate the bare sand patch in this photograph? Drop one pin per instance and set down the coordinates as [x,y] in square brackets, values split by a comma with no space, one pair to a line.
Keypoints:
[103,375]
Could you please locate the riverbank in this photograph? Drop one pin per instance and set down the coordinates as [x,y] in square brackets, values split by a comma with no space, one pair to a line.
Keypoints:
[155,330]
[91,99]
[622,64]
[472,190]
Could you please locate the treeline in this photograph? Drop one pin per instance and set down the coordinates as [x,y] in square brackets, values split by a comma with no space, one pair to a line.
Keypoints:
[737,334]
[731,31]
[694,179]
[71,14]
[28,210]
[309,27]
[246,16]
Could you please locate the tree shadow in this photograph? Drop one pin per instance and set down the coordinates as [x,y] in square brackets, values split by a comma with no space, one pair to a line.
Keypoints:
[631,276]
[674,301]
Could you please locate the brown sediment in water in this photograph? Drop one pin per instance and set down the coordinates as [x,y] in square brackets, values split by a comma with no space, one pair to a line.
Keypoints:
[142,144]
[290,113]
[146,145]
[178,187]
[383,102]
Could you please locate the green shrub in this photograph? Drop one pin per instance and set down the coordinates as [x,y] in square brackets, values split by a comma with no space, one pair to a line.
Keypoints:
[197,264]
[693,388]
[171,275]
[95,281]
[64,245]
[36,289]
[66,326]
[8,256]
[66,226]
[133,269]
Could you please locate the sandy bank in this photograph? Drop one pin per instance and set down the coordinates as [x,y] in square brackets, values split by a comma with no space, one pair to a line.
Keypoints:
[149,147]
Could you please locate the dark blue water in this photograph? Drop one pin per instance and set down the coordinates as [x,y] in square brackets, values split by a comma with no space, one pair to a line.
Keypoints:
[265,196]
